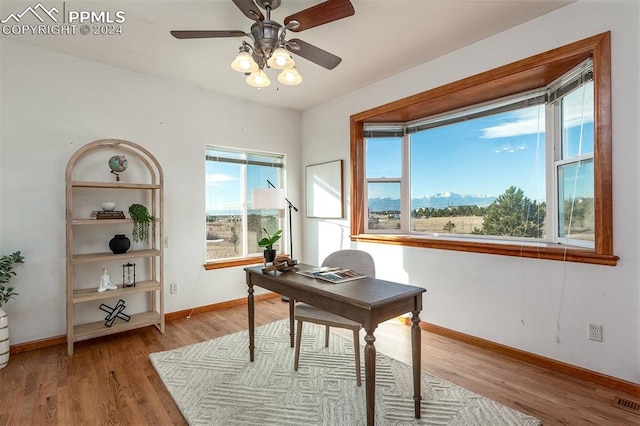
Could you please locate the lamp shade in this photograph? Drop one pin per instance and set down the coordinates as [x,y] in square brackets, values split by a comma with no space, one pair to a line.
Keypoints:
[290,77]
[258,79]
[244,63]
[268,199]
[280,59]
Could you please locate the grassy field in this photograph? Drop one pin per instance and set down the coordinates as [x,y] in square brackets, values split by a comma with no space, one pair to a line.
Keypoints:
[220,240]
[461,224]
[220,234]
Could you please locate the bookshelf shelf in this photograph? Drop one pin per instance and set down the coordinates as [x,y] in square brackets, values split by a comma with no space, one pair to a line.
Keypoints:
[91,294]
[92,330]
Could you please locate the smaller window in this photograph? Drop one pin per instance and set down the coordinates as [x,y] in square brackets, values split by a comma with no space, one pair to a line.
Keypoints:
[574,105]
[384,178]
[233,227]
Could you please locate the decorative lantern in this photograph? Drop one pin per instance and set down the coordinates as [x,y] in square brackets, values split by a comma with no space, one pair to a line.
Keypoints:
[129,275]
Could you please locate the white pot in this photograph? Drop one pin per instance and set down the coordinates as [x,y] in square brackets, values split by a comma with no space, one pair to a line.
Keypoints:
[4,339]
[108,206]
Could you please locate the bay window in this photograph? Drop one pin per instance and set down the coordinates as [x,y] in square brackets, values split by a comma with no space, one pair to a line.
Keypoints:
[515,161]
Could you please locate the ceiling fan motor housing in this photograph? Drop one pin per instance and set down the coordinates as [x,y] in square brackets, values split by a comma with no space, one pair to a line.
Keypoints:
[265,36]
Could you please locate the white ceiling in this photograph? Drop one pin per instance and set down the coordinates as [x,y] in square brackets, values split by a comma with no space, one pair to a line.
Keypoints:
[383,38]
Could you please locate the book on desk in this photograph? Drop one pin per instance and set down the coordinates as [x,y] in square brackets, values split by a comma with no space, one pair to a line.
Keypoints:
[332,275]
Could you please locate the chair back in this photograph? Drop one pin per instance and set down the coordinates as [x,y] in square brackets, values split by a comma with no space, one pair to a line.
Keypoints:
[356,260]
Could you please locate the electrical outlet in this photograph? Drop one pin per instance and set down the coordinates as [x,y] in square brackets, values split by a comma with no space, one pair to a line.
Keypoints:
[166,242]
[595,332]
[173,288]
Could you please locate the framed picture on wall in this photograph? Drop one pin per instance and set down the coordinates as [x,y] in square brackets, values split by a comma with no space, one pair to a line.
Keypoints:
[324,190]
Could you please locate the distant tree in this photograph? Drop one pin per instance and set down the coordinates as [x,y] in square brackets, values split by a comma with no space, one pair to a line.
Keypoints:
[254,221]
[513,215]
[234,238]
[578,215]
[449,226]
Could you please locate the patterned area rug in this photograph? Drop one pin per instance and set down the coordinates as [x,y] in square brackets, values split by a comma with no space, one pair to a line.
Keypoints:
[213,383]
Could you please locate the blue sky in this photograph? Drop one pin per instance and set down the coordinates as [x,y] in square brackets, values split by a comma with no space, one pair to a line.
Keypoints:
[483,156]
[225,181]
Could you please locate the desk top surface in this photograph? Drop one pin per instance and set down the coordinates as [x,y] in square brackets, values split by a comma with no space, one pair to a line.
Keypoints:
[366,291]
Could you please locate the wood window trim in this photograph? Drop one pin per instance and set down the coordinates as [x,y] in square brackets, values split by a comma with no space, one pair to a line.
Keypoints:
[520,76]
[229,263]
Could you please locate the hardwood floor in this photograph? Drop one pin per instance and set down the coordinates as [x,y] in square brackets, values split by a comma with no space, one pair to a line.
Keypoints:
[111,381]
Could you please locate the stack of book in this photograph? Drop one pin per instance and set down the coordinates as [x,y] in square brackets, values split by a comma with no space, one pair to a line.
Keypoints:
[114,214]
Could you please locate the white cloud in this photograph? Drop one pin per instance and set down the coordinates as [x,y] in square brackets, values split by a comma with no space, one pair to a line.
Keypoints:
[530,121]
[573,114]
[216,178]
[522,122]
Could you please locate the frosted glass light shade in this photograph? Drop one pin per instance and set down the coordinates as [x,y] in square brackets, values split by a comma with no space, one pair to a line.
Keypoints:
[290,77]
[280,59]
[258,79]
[268,199]
[244,63]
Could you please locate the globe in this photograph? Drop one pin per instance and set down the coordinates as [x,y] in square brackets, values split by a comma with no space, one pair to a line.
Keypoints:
[118,163]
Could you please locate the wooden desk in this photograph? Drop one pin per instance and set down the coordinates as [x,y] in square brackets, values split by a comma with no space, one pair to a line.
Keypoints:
[368,301]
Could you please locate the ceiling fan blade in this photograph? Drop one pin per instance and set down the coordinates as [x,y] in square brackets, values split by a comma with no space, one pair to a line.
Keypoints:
[313,53]
[329,11]
[250,10]
[208,34]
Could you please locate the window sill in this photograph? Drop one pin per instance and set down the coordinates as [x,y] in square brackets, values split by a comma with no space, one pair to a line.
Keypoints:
[220,264]
[534,251]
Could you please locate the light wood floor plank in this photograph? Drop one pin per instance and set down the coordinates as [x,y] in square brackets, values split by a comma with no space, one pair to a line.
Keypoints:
[110,380]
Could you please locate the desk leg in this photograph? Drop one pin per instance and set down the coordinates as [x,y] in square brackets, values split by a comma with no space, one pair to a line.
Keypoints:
[370,376]
[416,350]
[291,320]
[251,308]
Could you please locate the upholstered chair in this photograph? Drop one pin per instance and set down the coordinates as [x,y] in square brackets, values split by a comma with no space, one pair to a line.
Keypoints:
[358,261]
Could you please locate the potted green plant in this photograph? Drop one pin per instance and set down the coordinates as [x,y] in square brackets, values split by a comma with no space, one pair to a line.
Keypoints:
[7,263]
[268,242]
[141,221]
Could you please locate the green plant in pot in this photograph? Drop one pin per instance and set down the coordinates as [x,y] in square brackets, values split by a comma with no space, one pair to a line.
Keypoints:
[7,263]
[142,221]
[268,242]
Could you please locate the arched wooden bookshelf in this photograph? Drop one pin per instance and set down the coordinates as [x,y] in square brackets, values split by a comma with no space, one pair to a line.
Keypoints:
[88,177]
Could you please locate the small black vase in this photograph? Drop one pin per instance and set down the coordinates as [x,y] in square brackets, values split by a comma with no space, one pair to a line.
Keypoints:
[119,244]
[269,255]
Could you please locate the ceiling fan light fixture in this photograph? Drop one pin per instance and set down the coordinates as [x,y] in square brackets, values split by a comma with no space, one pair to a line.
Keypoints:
[280,59]
[244,63]
[290,77]
[269,47]
[258,79]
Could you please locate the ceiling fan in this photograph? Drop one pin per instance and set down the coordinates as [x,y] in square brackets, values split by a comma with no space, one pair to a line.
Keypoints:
[270,47]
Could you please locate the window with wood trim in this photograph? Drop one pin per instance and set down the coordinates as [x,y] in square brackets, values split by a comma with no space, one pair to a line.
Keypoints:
[543,124]
[233,226]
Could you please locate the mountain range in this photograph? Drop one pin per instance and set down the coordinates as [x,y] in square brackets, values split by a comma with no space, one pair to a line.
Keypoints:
[438,201]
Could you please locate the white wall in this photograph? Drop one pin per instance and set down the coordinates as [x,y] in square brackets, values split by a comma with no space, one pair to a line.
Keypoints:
[52,104]
[516,302]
